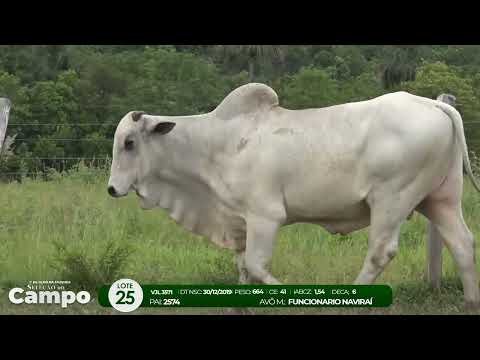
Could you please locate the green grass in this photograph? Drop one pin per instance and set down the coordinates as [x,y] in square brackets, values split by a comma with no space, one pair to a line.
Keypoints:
[70,229]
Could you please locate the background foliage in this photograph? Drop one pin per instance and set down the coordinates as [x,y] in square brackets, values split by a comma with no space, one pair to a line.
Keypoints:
[68,99]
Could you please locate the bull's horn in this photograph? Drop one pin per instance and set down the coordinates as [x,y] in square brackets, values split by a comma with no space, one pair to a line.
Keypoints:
[136,115]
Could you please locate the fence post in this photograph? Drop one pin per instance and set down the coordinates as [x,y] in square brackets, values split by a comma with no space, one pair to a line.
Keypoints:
[448,99]
[5,106]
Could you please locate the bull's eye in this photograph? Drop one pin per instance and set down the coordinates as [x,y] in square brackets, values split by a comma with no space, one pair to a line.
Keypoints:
[128,144]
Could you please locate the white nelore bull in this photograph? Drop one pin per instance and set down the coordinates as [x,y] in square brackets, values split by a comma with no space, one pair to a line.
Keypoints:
[240,172]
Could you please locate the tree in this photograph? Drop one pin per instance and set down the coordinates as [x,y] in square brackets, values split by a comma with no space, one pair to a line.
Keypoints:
[254,53]
[436,78]
[352,58]
[399,64]
[81,92]
[175,83]
[362,87]
[311,87]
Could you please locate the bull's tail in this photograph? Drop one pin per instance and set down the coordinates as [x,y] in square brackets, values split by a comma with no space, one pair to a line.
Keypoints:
[456,118]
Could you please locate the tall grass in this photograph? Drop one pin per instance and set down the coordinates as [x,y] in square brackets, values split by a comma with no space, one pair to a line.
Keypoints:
[68,228]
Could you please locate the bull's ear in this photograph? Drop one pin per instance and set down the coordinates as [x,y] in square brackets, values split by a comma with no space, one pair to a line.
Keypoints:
[163,128]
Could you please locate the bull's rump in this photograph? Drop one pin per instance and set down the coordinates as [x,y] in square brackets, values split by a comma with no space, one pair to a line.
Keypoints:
[325,161]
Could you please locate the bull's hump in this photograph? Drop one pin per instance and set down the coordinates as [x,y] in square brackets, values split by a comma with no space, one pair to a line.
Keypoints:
[247,99]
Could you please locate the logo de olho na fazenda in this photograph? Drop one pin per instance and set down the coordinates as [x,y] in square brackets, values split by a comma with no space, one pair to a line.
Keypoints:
[64,298]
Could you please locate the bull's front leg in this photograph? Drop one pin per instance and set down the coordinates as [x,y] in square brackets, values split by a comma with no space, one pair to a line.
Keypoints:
[261,236]
[243,277]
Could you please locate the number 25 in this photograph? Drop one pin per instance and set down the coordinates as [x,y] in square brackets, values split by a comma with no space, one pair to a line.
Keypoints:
[123,298]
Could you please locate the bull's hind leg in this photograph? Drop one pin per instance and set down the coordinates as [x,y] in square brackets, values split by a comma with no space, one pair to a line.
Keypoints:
[443,207]
[388,210]
[448,219]
[382,245]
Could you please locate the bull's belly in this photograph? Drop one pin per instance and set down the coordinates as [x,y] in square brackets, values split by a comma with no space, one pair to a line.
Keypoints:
[343,221]
[318,194]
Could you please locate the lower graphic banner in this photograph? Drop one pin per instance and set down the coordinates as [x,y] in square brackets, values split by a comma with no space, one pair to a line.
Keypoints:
[127,294]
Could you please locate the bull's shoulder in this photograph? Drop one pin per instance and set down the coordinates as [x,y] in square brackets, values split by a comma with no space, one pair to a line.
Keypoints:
[246,99]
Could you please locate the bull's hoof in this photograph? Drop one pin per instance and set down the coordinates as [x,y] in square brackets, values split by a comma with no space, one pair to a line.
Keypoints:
[239,311]
[471,306]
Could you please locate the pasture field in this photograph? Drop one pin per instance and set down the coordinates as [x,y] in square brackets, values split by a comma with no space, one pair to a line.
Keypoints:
[68,228]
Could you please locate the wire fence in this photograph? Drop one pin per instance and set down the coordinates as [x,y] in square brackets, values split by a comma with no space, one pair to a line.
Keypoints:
[40,165]
[63,139]
[63,124]
[62,163]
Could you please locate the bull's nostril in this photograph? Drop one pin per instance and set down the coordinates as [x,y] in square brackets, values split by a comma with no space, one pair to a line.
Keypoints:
[112,191]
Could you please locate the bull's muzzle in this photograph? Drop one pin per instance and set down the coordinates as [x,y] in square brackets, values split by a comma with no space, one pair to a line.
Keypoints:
[112,191]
